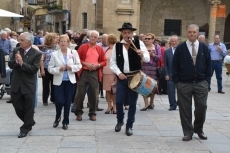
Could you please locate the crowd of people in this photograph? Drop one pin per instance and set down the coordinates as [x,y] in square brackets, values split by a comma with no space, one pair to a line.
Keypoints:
[75,64]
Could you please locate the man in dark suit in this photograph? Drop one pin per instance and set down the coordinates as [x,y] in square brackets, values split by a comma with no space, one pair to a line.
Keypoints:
[191,74]
[168,56]
[2,64]
[25,63]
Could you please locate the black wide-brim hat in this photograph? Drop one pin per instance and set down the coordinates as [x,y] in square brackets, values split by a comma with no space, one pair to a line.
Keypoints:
[127,26]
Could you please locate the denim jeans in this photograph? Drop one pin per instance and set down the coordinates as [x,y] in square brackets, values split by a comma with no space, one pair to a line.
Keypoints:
[217,67]
[121,92]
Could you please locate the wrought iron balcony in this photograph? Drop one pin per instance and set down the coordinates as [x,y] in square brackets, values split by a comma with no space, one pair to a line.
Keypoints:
[37,2]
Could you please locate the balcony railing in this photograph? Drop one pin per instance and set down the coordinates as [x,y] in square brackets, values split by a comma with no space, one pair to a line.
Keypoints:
[37,2]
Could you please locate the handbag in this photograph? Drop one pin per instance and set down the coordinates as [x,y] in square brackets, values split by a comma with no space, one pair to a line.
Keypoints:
[160,72]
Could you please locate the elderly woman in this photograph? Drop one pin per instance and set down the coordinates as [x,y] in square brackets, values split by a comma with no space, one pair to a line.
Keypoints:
[64,63]
[150,68]
[47,78]
[108,76]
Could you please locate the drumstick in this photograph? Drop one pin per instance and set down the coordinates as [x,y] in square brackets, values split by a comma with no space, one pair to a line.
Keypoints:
[132,43]
[132,48]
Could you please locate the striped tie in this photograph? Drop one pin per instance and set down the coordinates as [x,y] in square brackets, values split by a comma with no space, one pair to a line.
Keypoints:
[193,53]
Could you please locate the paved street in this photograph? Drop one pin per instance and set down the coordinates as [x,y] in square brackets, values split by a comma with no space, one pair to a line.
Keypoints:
[157,130]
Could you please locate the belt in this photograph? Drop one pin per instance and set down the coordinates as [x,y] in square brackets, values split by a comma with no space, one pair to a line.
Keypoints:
[131,73]
[90,70]
[216,60]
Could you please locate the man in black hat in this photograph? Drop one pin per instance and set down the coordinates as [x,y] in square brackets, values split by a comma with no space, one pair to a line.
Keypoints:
[124,62]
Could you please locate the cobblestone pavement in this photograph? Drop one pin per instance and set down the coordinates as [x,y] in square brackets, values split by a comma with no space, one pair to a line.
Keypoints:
[157,131]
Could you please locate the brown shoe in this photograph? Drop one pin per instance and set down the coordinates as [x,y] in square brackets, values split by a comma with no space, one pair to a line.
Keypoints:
[79,117]
[186,138]
[92,117]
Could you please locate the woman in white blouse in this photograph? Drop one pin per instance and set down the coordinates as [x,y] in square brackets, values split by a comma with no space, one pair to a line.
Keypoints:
[64,63]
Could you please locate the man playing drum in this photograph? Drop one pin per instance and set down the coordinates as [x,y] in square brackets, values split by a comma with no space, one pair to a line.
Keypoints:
[125,62]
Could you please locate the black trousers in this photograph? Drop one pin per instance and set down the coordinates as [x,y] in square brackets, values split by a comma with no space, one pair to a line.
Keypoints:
[24,108]
[162,85]
[48,87]
[185,93]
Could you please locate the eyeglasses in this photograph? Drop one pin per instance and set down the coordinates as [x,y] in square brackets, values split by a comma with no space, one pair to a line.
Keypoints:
[16,35]
[148,38]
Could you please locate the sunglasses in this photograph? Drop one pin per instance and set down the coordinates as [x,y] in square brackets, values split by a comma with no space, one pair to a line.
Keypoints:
[148,38]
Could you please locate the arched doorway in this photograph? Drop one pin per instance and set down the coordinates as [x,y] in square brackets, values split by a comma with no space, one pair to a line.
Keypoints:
[227,29]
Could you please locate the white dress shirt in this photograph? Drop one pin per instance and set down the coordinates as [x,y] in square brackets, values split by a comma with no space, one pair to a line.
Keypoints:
[227,59]
[173,50]
[189,45]
[113,61]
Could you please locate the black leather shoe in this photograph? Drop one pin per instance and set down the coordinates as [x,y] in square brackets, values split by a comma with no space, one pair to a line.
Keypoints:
[202,136]
[129,131]
[151,107]
[56,123]
[187,138]
[118,126]
[171,109]
[65,126]
[100,109]
[9,101]
[45,104]
[144,109]
[22,135]
[221,92]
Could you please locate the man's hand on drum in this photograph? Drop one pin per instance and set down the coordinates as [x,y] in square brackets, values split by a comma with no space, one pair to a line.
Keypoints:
[166,77]
[139,52]
[122,76]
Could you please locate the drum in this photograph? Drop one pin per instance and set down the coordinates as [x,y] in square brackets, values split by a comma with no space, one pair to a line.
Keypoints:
[143,84]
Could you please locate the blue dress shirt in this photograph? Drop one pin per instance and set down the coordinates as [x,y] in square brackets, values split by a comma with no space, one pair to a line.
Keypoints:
[215,53]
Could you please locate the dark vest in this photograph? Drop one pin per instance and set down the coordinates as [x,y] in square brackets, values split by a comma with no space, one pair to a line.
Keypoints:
[134,58]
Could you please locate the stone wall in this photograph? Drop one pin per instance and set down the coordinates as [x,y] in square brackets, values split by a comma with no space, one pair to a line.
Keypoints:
[78,7]
[154,12]
[5,21]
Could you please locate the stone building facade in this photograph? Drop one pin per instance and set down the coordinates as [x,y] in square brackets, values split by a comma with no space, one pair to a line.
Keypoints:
[163,18]
[12,6]
[147,16]
[154,13]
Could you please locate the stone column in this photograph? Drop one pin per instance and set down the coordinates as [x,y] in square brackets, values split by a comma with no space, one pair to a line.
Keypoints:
[212,21]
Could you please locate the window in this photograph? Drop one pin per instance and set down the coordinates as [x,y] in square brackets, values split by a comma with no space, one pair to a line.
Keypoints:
[172,27]
[84,20]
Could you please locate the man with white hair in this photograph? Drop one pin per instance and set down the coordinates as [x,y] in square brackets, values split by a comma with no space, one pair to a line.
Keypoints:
[201,38]
[8,32]
[25,63]
[5,44]
[93,60]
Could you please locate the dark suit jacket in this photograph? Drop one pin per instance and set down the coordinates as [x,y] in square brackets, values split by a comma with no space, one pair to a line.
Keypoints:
[25,76]
[168,57]
[2,64]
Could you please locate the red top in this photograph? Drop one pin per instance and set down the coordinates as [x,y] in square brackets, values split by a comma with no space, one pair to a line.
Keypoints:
[82,52]
[161,61]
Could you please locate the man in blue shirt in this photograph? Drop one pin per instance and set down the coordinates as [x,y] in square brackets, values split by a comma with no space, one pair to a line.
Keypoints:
[217,52]
[37,40]
[5,44]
